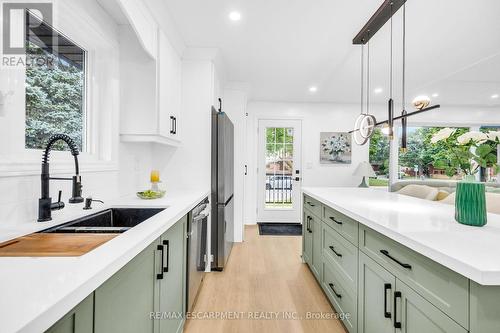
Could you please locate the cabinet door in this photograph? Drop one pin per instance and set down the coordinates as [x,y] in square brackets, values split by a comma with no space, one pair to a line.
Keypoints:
[317,259]
[126,301]
[78,320]
[417,315]
[307,245]
[375,294]
[169,88]
[173,285]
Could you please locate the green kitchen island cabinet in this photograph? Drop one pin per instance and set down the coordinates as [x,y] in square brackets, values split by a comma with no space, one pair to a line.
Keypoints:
[378,285]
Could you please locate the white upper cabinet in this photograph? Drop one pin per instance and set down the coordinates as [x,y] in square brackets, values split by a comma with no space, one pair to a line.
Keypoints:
[150,91]
[169,88]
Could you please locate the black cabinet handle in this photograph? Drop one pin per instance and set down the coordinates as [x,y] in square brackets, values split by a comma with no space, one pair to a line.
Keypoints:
[159,276]
[166,243]
[386,253]
[397,324]
[332,286]
[246,170]
[335,220]
[333,250]
[387,287]
[309,227]
[172,125]
[310,204]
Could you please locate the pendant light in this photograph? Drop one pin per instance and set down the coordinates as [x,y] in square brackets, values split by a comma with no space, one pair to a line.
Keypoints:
[365,123]
[404,120]
[390,103]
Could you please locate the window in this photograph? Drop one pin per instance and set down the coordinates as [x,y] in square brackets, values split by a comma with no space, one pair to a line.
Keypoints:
[379,158]
[55,86]
[425,159]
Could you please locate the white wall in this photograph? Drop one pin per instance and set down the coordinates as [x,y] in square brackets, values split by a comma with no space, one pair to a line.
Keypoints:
[315,118]
[235,104]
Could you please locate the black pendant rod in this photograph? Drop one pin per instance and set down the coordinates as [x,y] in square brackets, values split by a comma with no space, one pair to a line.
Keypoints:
[404,116]
[377,21]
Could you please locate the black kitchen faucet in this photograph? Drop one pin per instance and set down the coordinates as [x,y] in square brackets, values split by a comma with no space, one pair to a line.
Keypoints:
[45,205]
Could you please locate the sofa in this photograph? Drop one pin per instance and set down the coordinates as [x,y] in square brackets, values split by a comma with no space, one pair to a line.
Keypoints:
[443,191]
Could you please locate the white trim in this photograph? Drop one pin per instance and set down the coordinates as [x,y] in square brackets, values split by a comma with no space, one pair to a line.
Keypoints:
[15,169]
[150,138]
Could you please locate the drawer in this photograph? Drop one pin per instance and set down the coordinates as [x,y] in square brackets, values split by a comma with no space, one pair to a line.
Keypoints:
[344,225]
[343,298]
[439,285]
[341,255]
[314,206]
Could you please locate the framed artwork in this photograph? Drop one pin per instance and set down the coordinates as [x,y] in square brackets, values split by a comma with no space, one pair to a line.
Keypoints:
[335,148]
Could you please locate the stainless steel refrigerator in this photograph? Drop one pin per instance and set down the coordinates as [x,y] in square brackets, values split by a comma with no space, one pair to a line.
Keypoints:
[222,199]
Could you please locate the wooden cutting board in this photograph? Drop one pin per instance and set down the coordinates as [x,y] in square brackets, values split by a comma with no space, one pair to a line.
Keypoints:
[53,245]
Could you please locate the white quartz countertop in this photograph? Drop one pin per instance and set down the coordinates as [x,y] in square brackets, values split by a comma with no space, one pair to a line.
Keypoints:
[36,292]
[427,227]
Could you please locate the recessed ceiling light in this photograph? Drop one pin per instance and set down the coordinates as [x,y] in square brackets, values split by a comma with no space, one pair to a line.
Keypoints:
[435,95]
[313,89]
[495,96]
[235,16]
[378,90]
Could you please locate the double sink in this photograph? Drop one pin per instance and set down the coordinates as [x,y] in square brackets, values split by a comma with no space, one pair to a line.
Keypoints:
[113,220]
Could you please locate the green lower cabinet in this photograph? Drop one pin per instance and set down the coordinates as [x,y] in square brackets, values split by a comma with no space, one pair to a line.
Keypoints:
[484,308]
[78,320]
[307,241]
[375,294]
[124,303]
[388,305]
[172,286]
[317,248]
[417,315]
[149,293]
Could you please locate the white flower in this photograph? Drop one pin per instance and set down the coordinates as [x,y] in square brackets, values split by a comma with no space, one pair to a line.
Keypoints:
[474,136]
[494,135]
[443,134]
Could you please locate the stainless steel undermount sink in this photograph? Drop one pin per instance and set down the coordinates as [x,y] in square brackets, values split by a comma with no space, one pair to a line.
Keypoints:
[113,220]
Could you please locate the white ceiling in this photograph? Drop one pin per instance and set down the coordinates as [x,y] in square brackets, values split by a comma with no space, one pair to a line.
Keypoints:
[281,47]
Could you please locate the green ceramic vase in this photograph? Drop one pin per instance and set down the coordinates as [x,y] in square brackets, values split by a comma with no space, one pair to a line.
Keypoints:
[470,203]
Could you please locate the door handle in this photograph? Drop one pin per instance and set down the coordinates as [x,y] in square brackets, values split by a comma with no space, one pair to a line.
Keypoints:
[159,276]
[297,179]
[397,324]
[332,287]
[336,253]
[167,244]
[387,287]
[386,253]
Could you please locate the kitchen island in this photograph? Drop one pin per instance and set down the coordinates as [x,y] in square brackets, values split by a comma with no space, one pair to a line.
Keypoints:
[39,291]
[397,263]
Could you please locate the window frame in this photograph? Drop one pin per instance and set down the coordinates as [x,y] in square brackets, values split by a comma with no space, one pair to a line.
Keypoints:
[102,113]
[85,96]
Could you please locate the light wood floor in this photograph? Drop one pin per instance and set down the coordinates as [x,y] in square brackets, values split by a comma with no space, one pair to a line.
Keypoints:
[264,274]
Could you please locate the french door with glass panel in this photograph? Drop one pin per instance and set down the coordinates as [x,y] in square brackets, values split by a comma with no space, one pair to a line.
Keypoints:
[279,173]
